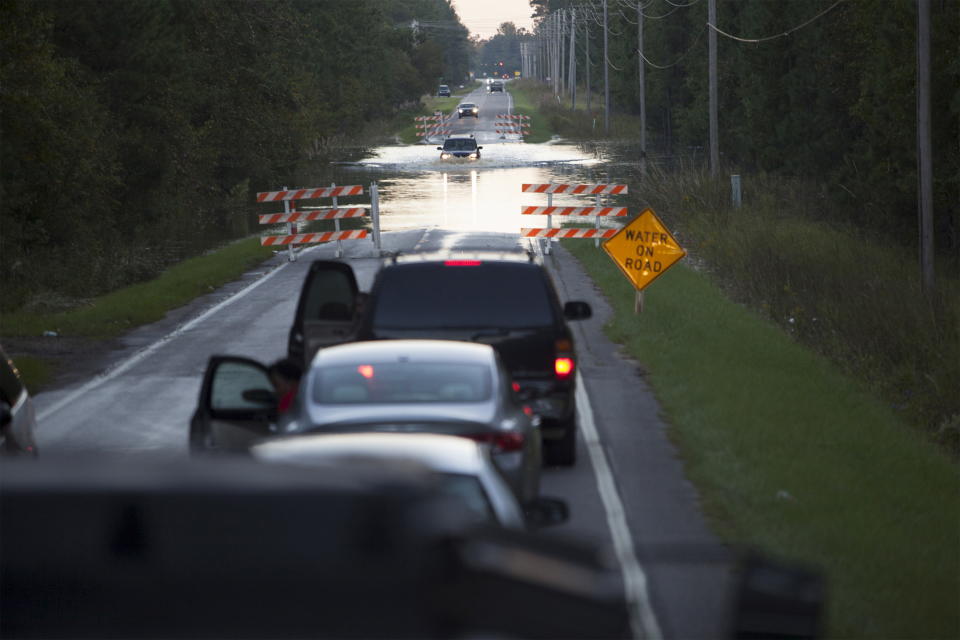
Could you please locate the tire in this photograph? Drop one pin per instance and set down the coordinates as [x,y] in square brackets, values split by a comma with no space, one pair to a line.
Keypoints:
[562,452]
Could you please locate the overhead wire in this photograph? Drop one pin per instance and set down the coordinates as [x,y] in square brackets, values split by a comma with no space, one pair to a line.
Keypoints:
[779,35]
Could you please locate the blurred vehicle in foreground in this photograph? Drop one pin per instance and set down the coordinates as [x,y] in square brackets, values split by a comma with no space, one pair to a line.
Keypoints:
[235,548]
[462,468]
[18,421]
[411,386]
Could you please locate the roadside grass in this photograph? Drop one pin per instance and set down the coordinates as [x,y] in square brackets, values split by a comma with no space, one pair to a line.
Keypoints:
[525,103]
[837,289]
[554,116]
[119,311]
[794,458]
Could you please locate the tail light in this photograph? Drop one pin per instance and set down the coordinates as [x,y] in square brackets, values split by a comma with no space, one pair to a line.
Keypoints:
[462,263]
[506,441]
[564,363]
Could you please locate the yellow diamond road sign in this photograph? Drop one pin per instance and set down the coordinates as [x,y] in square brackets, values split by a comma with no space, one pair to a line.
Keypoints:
[644,249]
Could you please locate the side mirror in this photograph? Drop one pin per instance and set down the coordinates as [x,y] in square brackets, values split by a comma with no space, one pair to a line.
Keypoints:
[478,148]
[265,397]
[439,148]
[6,415]
[546,512]
[577,310]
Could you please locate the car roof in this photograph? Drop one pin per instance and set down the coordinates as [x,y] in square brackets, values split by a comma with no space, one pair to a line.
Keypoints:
[379,351]
[468,104]
[436,452]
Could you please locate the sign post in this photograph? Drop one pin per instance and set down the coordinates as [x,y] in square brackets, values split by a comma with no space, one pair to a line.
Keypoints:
[643,249]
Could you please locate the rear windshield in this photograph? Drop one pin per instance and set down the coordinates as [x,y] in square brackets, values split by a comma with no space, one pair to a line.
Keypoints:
[475,295]
[460,144]
[402,382]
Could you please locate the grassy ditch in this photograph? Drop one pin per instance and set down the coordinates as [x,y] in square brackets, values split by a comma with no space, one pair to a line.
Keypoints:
[794,457]
[119,311]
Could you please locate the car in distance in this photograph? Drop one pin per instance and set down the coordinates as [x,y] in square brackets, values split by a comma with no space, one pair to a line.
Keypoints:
[496,85]
[443,91]
[460,147]
[18,420]
[399,386]
[506,300]
[468,110]
[461,468]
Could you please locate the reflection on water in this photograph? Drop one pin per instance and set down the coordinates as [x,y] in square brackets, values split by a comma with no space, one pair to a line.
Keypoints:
[418,190]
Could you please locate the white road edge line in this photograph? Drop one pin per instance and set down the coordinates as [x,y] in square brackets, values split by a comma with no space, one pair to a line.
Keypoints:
[643,620]
[140,355]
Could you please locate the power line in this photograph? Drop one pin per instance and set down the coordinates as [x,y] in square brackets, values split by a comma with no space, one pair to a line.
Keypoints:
[678,60]
[779,35]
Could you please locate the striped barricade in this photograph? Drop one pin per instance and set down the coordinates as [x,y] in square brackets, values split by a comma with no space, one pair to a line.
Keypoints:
[576,189]
[308,238]
[598,211]
[291,217]
[567,233]
[573,211]
[309,194]
[512,116]
[309,216]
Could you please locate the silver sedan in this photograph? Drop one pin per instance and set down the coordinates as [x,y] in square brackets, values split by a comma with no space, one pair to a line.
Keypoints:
[462,469]
[435,386]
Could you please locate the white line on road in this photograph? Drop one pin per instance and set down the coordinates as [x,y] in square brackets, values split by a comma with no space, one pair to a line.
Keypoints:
[643,620]
[140,355]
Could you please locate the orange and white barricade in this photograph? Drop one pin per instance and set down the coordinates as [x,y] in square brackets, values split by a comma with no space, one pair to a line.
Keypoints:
[598,211]
[291,217]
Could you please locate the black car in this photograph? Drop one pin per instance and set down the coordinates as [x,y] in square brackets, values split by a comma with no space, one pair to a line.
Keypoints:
[443,91]
[505,300]
[496,86]
[462,147]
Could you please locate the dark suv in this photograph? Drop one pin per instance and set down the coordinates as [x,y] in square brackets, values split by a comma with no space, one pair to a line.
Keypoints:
[504,300]
[463,147]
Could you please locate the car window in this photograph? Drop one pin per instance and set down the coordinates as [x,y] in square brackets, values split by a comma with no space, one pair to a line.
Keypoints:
[460,144]
[330,297]
[231,379]
[487,295]
[468,491]
[402,382]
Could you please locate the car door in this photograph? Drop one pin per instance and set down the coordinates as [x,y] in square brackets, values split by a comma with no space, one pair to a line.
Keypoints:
[326,312]
[237,406]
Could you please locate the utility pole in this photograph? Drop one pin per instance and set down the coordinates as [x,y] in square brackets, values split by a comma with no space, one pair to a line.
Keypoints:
[924,154]
[712,45]
[563,65]
[573,59]
[641,71]
[556,54]
[606,74]
[586,38]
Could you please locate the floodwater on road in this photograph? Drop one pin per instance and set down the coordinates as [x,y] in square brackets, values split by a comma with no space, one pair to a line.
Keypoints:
[418,190]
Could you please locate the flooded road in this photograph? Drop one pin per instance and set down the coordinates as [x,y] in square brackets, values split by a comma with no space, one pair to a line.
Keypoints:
[419,190]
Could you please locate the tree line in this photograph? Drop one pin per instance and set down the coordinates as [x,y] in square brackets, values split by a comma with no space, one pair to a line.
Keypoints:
[134,131]
[816,89]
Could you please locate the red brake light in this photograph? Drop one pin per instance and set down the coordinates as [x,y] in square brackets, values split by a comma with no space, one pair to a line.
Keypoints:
[504,442]
[366,370]
[515,386]
[462,263]
[563,367]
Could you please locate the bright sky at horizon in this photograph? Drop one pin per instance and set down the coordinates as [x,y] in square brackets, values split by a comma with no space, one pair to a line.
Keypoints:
[484,17]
